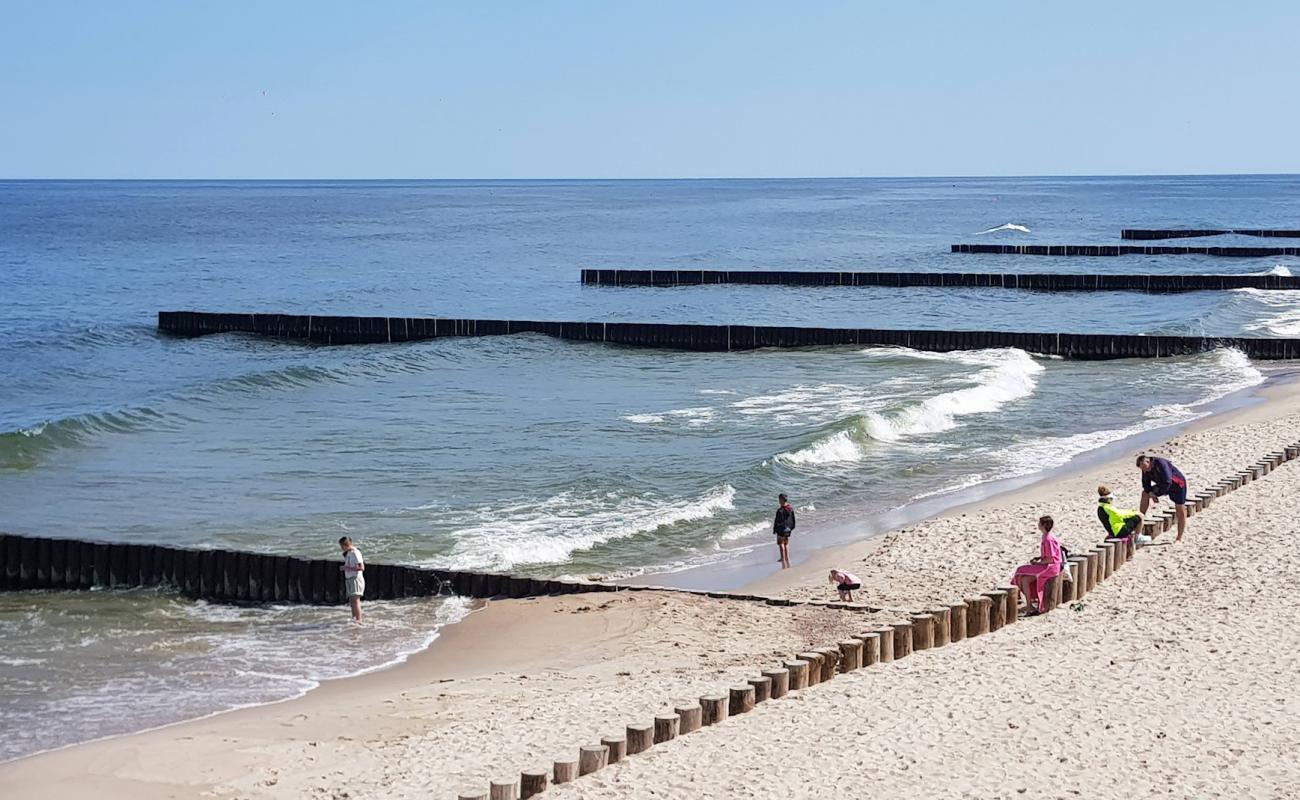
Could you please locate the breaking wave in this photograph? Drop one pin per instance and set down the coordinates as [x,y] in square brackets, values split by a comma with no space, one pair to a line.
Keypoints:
[1007,375]
[550,531]
[1009,226]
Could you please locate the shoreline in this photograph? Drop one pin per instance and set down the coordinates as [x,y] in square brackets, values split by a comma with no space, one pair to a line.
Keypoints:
[471,648]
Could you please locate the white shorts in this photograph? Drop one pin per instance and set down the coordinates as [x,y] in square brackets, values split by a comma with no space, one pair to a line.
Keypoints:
[356,587]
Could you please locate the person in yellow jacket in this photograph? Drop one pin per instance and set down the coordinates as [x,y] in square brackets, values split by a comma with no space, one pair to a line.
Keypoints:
[1119,523]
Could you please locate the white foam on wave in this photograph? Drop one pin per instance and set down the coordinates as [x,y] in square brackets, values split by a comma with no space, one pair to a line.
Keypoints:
[804,403]
[1009,226]
[549,532]
[1234,371]
[691,417]
[1008,375]
[1280,310]
[1277,269]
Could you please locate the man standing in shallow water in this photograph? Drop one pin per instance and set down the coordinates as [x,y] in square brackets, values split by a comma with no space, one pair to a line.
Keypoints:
[355,582]
[782,527]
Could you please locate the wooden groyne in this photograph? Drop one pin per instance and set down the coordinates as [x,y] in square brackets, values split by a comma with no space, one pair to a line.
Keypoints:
[1150,234]
[334,330]
[1122,250]
[230,576]
[1034,281]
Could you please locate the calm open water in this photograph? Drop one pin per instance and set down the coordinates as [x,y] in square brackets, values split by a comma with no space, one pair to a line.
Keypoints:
[527,453]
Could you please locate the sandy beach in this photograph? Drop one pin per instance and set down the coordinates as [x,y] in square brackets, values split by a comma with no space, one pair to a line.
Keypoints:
[1166,680]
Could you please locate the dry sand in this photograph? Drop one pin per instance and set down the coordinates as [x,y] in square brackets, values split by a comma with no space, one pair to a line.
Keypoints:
[1176,677]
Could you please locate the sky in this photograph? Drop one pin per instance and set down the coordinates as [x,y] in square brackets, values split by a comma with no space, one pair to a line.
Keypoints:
[562,89]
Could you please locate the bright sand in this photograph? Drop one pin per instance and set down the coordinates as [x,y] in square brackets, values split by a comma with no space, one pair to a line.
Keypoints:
[1175,677]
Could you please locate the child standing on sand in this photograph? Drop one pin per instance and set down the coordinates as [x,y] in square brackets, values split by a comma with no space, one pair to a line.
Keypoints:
[354,581]
[846,583]
[783,526]
[1032,578]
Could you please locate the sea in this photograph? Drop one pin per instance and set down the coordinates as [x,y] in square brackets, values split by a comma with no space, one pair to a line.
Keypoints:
[526,453]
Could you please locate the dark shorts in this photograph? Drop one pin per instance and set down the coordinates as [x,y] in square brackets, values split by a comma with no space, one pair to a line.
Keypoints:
[849,587]
[1130,526]
[783,537]
[1178,494]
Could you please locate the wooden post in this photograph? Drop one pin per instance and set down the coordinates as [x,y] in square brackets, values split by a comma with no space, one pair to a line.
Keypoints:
[640,737]
[533,782]
[1013,602]
[798,669]
[978,615]
[691,717]
[1052,594]
[1130,548]
[1094,569]
[565,771]
[886,643]
[814,667]
[942,625]
[472,795]
[1076,582]
[742,700]
[762,689]
[666,727]
[902,640]
[1112,557]
[850,655]
[617,746]
[957,620]
[870,648]
[922,632]
[504,790]
[997,609]
[830,661]
[591,758]
[780,680]
[1120,552]
[713,708]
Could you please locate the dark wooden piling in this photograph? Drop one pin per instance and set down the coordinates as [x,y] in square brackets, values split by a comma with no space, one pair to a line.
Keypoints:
[738,337]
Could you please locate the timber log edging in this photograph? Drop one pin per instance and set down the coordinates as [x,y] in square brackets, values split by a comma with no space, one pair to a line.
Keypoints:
[1032,281]
[337,330]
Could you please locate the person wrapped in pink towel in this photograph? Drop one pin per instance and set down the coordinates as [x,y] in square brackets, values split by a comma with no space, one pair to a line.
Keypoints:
[1032,578]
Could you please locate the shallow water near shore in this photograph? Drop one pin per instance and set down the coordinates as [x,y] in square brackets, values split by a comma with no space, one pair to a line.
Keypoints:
[526,453]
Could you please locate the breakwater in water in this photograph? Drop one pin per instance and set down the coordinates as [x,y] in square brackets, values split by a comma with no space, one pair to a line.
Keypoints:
[1122,250]
[31,562]
[1041,281]
[336,330]
[1149,234]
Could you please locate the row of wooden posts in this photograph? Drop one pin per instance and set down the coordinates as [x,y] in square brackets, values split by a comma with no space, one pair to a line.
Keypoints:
[336,330]
[1028,281]
[881,643]
[1123,250]
[1148,234]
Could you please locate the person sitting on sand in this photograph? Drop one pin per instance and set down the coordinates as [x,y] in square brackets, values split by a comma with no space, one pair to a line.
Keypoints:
[846,583]
[1160,478]
[783,526]
[1119,523]
[1032,578]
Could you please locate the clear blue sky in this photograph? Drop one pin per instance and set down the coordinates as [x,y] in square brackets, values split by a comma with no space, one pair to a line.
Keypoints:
[666,89]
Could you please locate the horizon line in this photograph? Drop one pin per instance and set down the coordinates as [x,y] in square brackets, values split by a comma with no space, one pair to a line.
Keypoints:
[645,179]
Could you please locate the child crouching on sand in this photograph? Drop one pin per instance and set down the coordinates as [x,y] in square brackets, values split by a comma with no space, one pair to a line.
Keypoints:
[1032,578]
[845,583]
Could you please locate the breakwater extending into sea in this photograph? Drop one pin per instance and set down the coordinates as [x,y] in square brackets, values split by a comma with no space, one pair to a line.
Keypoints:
[336,330]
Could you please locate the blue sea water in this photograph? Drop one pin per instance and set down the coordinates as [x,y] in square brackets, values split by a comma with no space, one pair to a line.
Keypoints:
[532,454]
